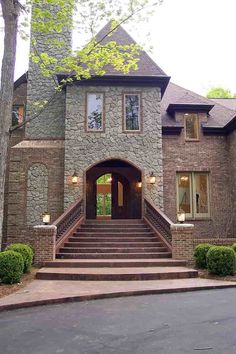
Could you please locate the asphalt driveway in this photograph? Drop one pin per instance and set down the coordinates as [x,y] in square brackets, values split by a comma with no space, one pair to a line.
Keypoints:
[186,323]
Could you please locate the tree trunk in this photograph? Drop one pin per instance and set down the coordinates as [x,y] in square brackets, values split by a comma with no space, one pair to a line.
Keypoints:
[10,11]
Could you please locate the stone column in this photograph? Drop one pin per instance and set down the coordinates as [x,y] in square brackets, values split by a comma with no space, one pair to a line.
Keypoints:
[182,242]
[45,243]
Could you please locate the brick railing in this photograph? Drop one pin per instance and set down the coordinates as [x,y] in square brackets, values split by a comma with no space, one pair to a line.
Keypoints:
[69,219]
[159,221]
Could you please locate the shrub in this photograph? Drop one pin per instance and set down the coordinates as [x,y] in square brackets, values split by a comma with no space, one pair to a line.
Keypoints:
[11,267]
[221,260]
[234,247]
[200,253]
[26,253]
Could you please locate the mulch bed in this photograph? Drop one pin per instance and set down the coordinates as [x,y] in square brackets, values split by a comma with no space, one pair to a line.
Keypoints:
[204,274]
[7,289]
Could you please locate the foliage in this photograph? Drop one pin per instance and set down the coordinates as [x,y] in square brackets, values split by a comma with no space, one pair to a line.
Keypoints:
[219,92]
[234,247]
[200,253]
[26,253]
[11,267]
[221,260]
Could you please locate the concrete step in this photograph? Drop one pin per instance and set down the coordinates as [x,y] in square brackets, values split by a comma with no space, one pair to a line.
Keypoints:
[112,244]
[115,226]
[116,274]
[113,239]
[113,250]
[134,255]
[113,263]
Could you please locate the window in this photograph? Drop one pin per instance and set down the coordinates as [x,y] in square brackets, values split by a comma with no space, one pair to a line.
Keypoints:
[193,194]
[17,115]
[191,126]
[132,112]
[95,112]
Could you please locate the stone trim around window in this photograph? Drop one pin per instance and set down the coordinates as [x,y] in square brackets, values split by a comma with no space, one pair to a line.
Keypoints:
[124,121]
[194,198]
[95,130]
[196,126]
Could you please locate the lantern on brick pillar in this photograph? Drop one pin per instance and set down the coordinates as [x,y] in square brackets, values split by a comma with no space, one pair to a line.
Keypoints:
[181,217]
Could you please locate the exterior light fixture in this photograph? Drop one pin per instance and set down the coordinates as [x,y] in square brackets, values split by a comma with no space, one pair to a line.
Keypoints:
[74,178]
[152,178]
[139,184]
[184,178]
[46,218]
[181,217]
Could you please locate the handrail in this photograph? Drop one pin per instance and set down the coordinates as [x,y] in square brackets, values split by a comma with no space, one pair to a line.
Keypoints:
[68,218]
[158,220]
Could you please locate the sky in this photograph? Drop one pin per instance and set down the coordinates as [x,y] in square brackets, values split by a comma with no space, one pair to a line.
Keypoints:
[193,42]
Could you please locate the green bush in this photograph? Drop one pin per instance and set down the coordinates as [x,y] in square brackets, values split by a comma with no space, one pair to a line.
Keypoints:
[26,252]
[11,267]
[200,253]
[234,247]
[221,260]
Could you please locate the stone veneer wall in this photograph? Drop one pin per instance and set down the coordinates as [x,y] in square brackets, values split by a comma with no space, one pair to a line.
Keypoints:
[51,122]
[37,193]
[232,156]
[209,154]
[84,149]
[22,157]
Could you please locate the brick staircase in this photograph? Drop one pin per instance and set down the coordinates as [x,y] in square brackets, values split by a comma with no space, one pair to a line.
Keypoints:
[114,250]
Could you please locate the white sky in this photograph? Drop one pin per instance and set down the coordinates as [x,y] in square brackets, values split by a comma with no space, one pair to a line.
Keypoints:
[193,40]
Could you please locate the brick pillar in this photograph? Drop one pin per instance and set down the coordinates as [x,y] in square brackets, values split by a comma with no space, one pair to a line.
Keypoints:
[45,243]
[182,242]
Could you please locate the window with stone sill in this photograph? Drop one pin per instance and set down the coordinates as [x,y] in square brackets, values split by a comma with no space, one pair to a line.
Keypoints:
[193,194]
[191,126]
[95,112]
[132,112]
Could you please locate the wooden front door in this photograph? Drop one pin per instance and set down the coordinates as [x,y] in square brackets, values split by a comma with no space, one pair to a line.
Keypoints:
[120,197]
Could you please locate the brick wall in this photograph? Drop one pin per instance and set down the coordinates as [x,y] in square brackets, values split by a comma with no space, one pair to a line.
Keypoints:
[44,244]
[22,156]
[209,154]
[232,156]
[182,242]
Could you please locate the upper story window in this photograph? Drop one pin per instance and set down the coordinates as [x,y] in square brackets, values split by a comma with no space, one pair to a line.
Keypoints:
[193,194]
[18,112]
[95,113]
[191,123]
[132,112]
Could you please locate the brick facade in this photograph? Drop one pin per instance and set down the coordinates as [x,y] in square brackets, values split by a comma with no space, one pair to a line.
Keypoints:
[182,242]
[209,154]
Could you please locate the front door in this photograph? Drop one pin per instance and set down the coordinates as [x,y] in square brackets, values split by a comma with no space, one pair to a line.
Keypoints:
[120,197]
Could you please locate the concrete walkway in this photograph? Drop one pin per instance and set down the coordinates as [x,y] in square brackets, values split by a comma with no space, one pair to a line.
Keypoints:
[41,292]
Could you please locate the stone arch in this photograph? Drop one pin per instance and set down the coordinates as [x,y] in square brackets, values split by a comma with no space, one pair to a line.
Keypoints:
[37,193]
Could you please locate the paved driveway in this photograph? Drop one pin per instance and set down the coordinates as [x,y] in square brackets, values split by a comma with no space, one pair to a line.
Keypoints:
[198,322]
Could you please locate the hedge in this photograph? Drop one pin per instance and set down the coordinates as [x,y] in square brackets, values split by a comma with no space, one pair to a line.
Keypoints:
[11,267]
[200,253]
[221,260]
[26,252]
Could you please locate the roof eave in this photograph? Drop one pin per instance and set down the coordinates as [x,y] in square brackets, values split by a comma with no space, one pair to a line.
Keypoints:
[188,107]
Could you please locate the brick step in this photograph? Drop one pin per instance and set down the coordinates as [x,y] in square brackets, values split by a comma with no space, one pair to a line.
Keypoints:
[115,234]
[113,239]
[113,230]
[113,244]
[156,255]
[112,250]
[116,274]
[120,263]
[114,226]
[115,221]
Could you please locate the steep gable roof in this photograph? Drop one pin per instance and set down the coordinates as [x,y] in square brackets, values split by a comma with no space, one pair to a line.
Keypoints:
[146,66]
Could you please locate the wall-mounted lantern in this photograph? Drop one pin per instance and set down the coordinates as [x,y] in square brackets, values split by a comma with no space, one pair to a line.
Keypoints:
[152,178]
[46,218]
[139,184]
[181,217]
[74,178]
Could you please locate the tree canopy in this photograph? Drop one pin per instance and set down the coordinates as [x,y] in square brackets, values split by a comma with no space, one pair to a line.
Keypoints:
[220,92]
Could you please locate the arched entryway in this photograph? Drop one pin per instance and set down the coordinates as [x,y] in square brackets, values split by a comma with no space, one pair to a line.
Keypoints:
[113,191]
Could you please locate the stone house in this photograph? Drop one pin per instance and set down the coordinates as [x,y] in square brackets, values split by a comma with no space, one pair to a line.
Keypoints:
[123,147]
